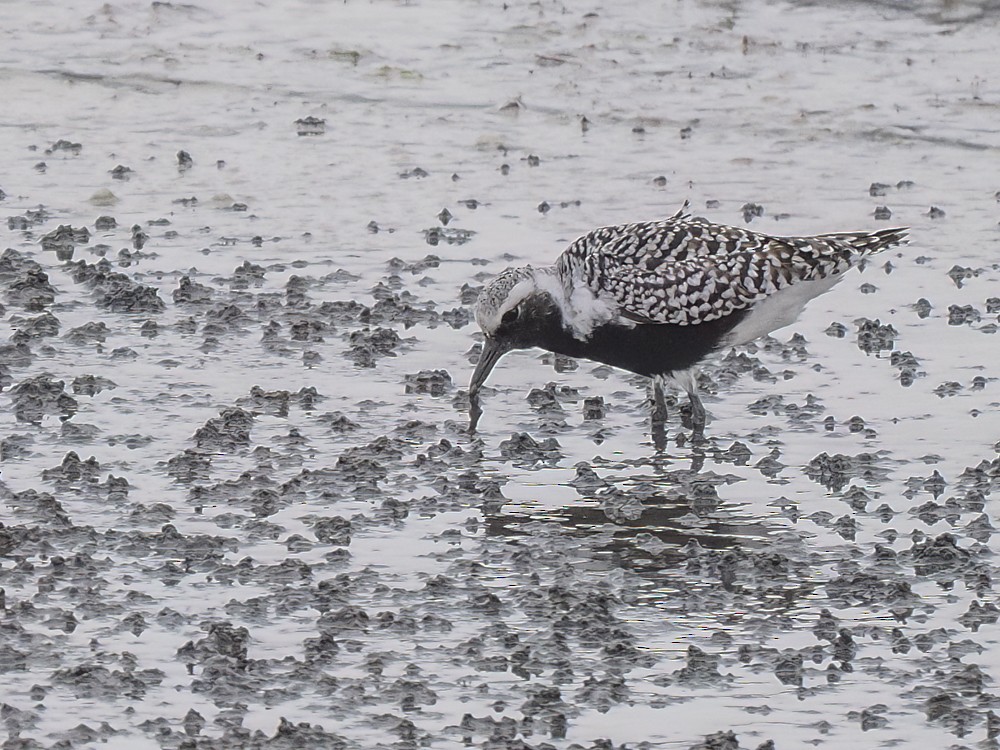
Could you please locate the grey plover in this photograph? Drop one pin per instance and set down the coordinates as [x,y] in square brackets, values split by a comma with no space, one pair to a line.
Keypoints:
[658,298]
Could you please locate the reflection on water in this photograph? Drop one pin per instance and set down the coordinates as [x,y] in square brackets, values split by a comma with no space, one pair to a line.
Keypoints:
[632,516]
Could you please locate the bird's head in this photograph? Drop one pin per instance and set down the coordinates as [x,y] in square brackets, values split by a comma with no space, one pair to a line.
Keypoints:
[499,302]
[512,311]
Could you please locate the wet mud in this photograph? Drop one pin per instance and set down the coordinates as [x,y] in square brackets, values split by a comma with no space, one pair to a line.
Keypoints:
[239,503]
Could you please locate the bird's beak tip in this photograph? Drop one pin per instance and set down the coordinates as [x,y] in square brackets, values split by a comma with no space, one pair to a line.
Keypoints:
[493,350]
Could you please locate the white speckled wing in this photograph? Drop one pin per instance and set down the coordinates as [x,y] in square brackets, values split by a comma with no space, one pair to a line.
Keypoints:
[686,271]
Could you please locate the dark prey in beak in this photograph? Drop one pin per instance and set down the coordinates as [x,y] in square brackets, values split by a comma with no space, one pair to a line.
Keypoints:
[492,351]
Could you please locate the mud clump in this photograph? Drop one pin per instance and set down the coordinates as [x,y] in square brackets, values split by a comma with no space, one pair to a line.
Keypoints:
[116,291]
[334,530]
[308,330]
[40,326]
[345,312]
[64,239]
[522,447]
[97,682]
[191,292]
[31,290]
[189,466]
[403,308]
[367,346]
[40,395]
[594,408]
[247,275]
[431,382]
[228,432]
[339,422]
[223,640]
[13,355]
[941,558]
[88,333]
[961,274]
[310,125]
[909,367]
[874,337]
[959,315]
[837,470]
[275,403]
[449,235]
[397,265]
[91,385]
[63,145]
[73,470]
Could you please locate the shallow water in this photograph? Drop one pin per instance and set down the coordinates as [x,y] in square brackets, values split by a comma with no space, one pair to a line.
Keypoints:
[403,584]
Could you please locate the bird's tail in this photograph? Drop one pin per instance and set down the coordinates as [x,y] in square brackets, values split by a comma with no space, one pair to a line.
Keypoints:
[867,243]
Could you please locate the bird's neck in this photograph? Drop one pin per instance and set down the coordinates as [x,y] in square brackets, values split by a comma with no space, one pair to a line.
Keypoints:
[582,310]
[549,329]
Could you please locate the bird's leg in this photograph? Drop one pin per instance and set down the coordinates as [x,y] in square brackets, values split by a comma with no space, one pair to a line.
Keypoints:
[659,401]
[659,415]
[697,416]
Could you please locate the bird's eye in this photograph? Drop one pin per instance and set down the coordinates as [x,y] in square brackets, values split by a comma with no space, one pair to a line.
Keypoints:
[510,316]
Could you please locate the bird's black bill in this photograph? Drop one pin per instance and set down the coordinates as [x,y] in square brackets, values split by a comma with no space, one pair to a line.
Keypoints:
[492,351]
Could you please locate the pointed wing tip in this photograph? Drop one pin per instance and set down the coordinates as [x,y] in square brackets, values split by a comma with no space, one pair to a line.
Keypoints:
[682,212]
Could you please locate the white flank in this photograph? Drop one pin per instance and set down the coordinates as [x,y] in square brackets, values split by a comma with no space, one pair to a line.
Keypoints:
[778,310]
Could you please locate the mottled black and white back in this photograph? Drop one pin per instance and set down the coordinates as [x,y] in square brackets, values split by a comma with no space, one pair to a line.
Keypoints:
[686,270]
[657,298]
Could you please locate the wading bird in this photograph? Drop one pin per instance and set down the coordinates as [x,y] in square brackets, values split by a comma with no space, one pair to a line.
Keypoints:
[659,298]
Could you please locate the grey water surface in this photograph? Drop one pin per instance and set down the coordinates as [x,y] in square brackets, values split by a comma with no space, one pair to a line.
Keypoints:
[239,506]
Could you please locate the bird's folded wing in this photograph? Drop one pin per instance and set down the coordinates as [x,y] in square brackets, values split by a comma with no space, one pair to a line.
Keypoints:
[678,238]
[701,289]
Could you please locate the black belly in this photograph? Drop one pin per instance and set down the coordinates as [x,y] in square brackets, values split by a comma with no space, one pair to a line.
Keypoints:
[644,349]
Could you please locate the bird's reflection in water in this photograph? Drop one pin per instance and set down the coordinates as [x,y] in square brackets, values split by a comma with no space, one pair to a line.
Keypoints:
[643,522]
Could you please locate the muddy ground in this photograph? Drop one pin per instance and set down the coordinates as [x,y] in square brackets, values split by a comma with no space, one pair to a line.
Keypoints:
[238,504]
